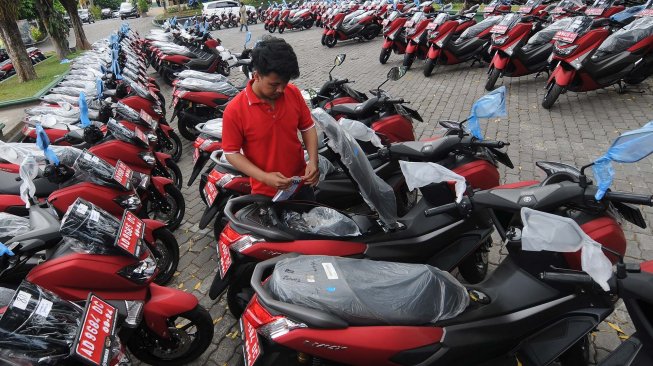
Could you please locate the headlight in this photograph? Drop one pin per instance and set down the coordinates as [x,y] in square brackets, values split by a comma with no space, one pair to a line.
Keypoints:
[498,40]
[157,109]
[564,51]
[141,272]
[130,202]
[152,137]
[148,157]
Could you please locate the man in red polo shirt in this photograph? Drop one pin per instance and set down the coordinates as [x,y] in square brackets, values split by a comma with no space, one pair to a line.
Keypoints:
[259,128]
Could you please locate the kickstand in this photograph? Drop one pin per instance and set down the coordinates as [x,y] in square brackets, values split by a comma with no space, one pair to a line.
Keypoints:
[622,88]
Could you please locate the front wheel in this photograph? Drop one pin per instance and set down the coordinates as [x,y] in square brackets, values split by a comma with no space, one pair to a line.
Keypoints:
[281,30]
[428,67]
[272,29]
[552,94]
[492,78]
[330,41]
[409,58]
[169,208]
[174,173]
[187,128]
[474,267]
[385,55]
[172,146]
[240,291]
[166,254]
[191,334]
[323,41]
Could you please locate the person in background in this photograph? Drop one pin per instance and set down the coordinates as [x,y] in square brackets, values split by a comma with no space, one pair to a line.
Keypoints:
[243,17]
[261,124]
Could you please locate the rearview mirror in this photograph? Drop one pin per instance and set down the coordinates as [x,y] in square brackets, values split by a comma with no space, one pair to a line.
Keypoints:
[340,59]
[633,146]
[396,73]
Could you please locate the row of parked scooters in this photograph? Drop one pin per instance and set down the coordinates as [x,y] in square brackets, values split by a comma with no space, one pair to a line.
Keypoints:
[7,67]
[228,20]
[89,255]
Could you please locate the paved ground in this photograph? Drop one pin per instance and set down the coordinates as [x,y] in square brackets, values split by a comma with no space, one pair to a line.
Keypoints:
[578,129]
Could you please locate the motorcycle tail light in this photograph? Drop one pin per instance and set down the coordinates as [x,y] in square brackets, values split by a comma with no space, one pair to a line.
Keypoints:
[148,157]
[129,202]
[205,144]
[236,241]
[224,180]
[266,324]
[140,272]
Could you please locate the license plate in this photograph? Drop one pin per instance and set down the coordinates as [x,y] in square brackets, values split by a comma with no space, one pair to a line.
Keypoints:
[130,234]
[211,192]
[196,155]
[409,24]
[141,135]
[431,26]
[488,9]
[564,36]
[499,29]
[525,9]
[122,174]
[147,118]
[385,22]
[251,345]
[93,343]
[594,11]
[645,13]
[225,258]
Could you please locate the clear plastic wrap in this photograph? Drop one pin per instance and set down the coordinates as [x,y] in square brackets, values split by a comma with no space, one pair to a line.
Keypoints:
[321,221]
[28,171]
[211,127]
[360,131]
[376,193]
[74,92]
[51,121]
[90,168]
[89,224]
[325,166]
[57,98]
[11,225]
[365,292]
[545,231]
[422,174]
[203,85]
[64,110]
[546,34]
[119,131]
[477,28]
[38,327]
[127,112]
[15,152]
[627,36]
[213,78]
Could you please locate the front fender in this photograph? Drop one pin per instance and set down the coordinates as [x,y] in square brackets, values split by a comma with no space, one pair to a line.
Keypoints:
[161,157]
[387,44]
[160,183]
[150,227]
[433,53]
[562,76]
[411,48]
[165,303]
[499,61]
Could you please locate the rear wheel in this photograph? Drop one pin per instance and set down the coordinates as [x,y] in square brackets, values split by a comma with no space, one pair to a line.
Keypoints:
[409,58]
[166,254]
[492,78]
[385,55]
[187,128]
[474,267]
[191,334]
[168,209]
[552,94]
[330,41]
[428,67]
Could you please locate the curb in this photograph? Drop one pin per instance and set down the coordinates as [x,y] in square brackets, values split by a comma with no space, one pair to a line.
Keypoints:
[36,96]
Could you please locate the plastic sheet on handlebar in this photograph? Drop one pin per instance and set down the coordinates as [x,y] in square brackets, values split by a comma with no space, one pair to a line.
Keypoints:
[360,131]
[12,225]
[376,193]
[365,292]
[545,231]
[626,37]
[422,174]
[89,224]
[37,328]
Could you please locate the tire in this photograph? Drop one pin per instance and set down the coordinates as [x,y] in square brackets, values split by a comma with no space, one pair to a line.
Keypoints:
[174,173]
[187,131]
[225,70]
[552,94]
[175,214]
[147,347]
[240,291]
[166,254]
[330,41]
[409,58]
[281,30]
[428,67]
[176,148]
[474,267]
[272,29]
[578,354]
[323,39]
[265,26]
[163,102]
[385,55]
[492,78]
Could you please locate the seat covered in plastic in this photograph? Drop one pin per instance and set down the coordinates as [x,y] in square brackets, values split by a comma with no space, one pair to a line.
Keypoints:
[355,110]
[369,293]
[203,85]
[10,184]
[627,36]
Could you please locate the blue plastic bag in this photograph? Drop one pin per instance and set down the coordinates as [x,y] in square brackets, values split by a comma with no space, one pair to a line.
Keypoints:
[43,142]
[83,109]
[99,87]
[630,147]
[5,251]
[492,104]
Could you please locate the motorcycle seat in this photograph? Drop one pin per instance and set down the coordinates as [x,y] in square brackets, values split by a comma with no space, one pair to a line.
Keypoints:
[355,110]
[207,86]
[228,168]
[10,184]
[200,63]
[424,150]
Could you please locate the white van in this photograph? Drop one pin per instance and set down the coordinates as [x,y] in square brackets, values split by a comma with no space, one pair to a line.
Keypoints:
[223,6]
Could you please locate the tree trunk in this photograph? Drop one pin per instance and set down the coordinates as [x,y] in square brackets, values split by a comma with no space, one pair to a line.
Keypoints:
[16,49]
[81,43]
[55,26]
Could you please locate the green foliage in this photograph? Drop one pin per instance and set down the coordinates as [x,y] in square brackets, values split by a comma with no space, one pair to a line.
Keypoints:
[96,11]
[58,7]
[143,6]
[26,10]
[36,33]
[112,4]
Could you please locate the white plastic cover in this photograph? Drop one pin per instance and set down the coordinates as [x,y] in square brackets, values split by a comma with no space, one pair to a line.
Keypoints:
[360,131]
[28,171]
[321,221]
[545,231]
[203,85]
[12,225]
[325,166]
[422,174]
[211,127]
[627,36]
[365,292]
[192,74]
[16,152]
[376,193]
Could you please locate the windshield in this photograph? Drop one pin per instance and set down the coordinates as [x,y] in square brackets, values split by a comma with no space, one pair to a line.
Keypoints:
[546,34]
[91,168]
[441,18]
[393,15]
[417,17]
[580,25]
[603,4]
[510,20]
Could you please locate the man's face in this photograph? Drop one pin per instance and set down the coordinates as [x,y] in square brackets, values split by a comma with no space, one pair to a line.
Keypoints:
[271,86]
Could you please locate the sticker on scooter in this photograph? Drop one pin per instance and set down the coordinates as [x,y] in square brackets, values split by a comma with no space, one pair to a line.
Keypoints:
[499,29]
[431,26]
[251,346]
[645,13]
[488,9]
[525,9]
[196,155]
[130,234]
[123,174]
[93,342]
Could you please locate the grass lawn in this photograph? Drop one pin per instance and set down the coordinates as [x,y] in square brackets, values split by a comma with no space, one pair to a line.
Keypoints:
[47,71]
[179,14]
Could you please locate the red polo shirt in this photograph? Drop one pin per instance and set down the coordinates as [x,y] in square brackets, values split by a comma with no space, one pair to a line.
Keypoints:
[267,135]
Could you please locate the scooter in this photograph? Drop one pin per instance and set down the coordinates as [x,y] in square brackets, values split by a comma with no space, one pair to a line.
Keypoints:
[589,58]
[302,19]
[360,24]
[417,29]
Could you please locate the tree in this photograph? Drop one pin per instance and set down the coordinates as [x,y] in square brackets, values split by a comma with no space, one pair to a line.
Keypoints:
[55,25]
[81,43]
[10,35]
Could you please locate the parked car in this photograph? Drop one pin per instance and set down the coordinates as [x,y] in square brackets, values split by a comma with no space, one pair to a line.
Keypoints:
[85,16]
[107,13]
[115,14]
[222,6]
[128,10]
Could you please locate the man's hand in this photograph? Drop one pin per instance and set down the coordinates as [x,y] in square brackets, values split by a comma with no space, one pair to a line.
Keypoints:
[312,176]
[276,180]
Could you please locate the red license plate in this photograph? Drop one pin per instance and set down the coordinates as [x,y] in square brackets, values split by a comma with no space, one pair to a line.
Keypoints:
[211,192]
[251,345]
[564,36]
[122,174]
[141,135]
[431,26]
[645,13]
[525,9]
[594,11]
[409,24]
[130,234]
[196,155]
[488,9]
[148,119]
[225,258]
[499,29]
[92,345]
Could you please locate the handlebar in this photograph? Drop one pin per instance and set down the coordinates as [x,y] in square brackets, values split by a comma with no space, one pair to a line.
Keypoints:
[448,208]
[492,144]
[580,279]
[342,82]
[623,197]
[394,101]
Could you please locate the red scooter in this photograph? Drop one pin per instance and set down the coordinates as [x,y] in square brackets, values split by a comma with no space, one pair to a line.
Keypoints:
[360,24]
[589,56]
[272,20]
[175,328]
[417,30]
[394,33]
[301,19]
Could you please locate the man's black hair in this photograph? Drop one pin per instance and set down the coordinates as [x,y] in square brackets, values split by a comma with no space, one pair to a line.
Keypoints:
[273,54]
